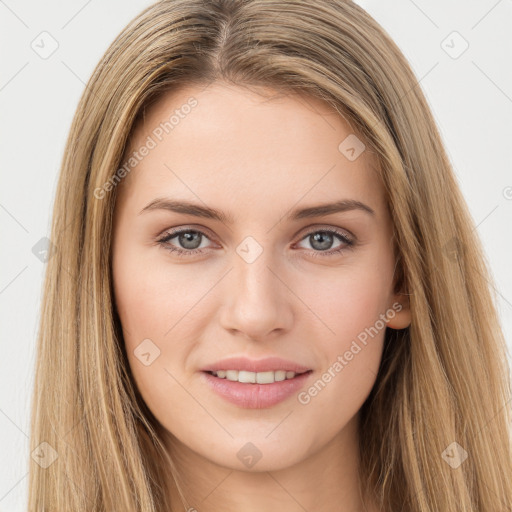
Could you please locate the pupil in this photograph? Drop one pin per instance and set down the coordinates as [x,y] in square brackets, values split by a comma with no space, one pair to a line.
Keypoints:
[187,239]
[324,238]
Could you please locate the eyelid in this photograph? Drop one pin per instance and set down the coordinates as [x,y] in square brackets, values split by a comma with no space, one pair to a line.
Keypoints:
[325,227]
[186,227]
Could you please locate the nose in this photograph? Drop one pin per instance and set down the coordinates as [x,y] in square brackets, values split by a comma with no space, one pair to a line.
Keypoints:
[258,301]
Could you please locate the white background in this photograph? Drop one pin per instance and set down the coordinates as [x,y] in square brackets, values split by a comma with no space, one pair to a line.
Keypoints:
[471,98]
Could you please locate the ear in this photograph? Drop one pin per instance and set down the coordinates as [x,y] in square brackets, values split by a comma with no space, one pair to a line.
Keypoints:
[399,312]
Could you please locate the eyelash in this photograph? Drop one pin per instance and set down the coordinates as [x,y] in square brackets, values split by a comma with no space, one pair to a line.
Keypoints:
[183,253]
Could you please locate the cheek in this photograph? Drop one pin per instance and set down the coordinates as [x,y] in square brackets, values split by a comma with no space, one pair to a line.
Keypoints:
[150,296]
[136,296]
[349,338]
[145,314]
[148,308]
[349,301]
[161,314]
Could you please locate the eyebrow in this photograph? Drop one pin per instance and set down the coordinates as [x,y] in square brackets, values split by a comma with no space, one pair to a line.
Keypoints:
[206,212]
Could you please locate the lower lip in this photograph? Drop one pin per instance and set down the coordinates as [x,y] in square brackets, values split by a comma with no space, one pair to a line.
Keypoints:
[255,396]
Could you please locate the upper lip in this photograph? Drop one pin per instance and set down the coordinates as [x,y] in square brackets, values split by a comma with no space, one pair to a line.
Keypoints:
[256,365]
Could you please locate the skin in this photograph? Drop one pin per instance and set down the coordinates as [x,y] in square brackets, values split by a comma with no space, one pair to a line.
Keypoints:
[255,158]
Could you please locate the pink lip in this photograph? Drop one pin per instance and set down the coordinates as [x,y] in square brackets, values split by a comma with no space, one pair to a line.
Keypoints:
[255,396]
[256,365]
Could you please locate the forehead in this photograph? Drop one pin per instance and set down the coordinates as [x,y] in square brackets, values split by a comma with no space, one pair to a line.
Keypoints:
[253,148]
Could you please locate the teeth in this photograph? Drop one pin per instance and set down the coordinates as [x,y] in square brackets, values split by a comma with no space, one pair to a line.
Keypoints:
[254,377]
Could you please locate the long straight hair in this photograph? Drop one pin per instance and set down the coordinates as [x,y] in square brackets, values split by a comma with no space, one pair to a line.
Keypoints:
[442,393]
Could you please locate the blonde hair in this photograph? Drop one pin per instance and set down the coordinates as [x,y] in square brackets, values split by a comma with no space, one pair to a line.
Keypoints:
[443,380]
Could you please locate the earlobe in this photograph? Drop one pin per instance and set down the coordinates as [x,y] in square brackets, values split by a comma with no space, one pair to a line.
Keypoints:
[401,320]
[400,315]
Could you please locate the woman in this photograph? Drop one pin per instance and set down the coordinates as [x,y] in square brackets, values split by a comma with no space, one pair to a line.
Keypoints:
[266,292]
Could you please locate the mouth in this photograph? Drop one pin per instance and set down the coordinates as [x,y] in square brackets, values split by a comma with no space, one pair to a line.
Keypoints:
[255,390]
[246,377]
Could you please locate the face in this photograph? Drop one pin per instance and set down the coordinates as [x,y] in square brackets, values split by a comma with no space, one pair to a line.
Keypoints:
[254,270]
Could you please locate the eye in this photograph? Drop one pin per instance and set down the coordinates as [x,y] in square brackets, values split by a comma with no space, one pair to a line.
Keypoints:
[321,240]
[189,239]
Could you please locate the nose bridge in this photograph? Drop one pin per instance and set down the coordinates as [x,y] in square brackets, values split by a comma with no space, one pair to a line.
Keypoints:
[256,302]
[252,277]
